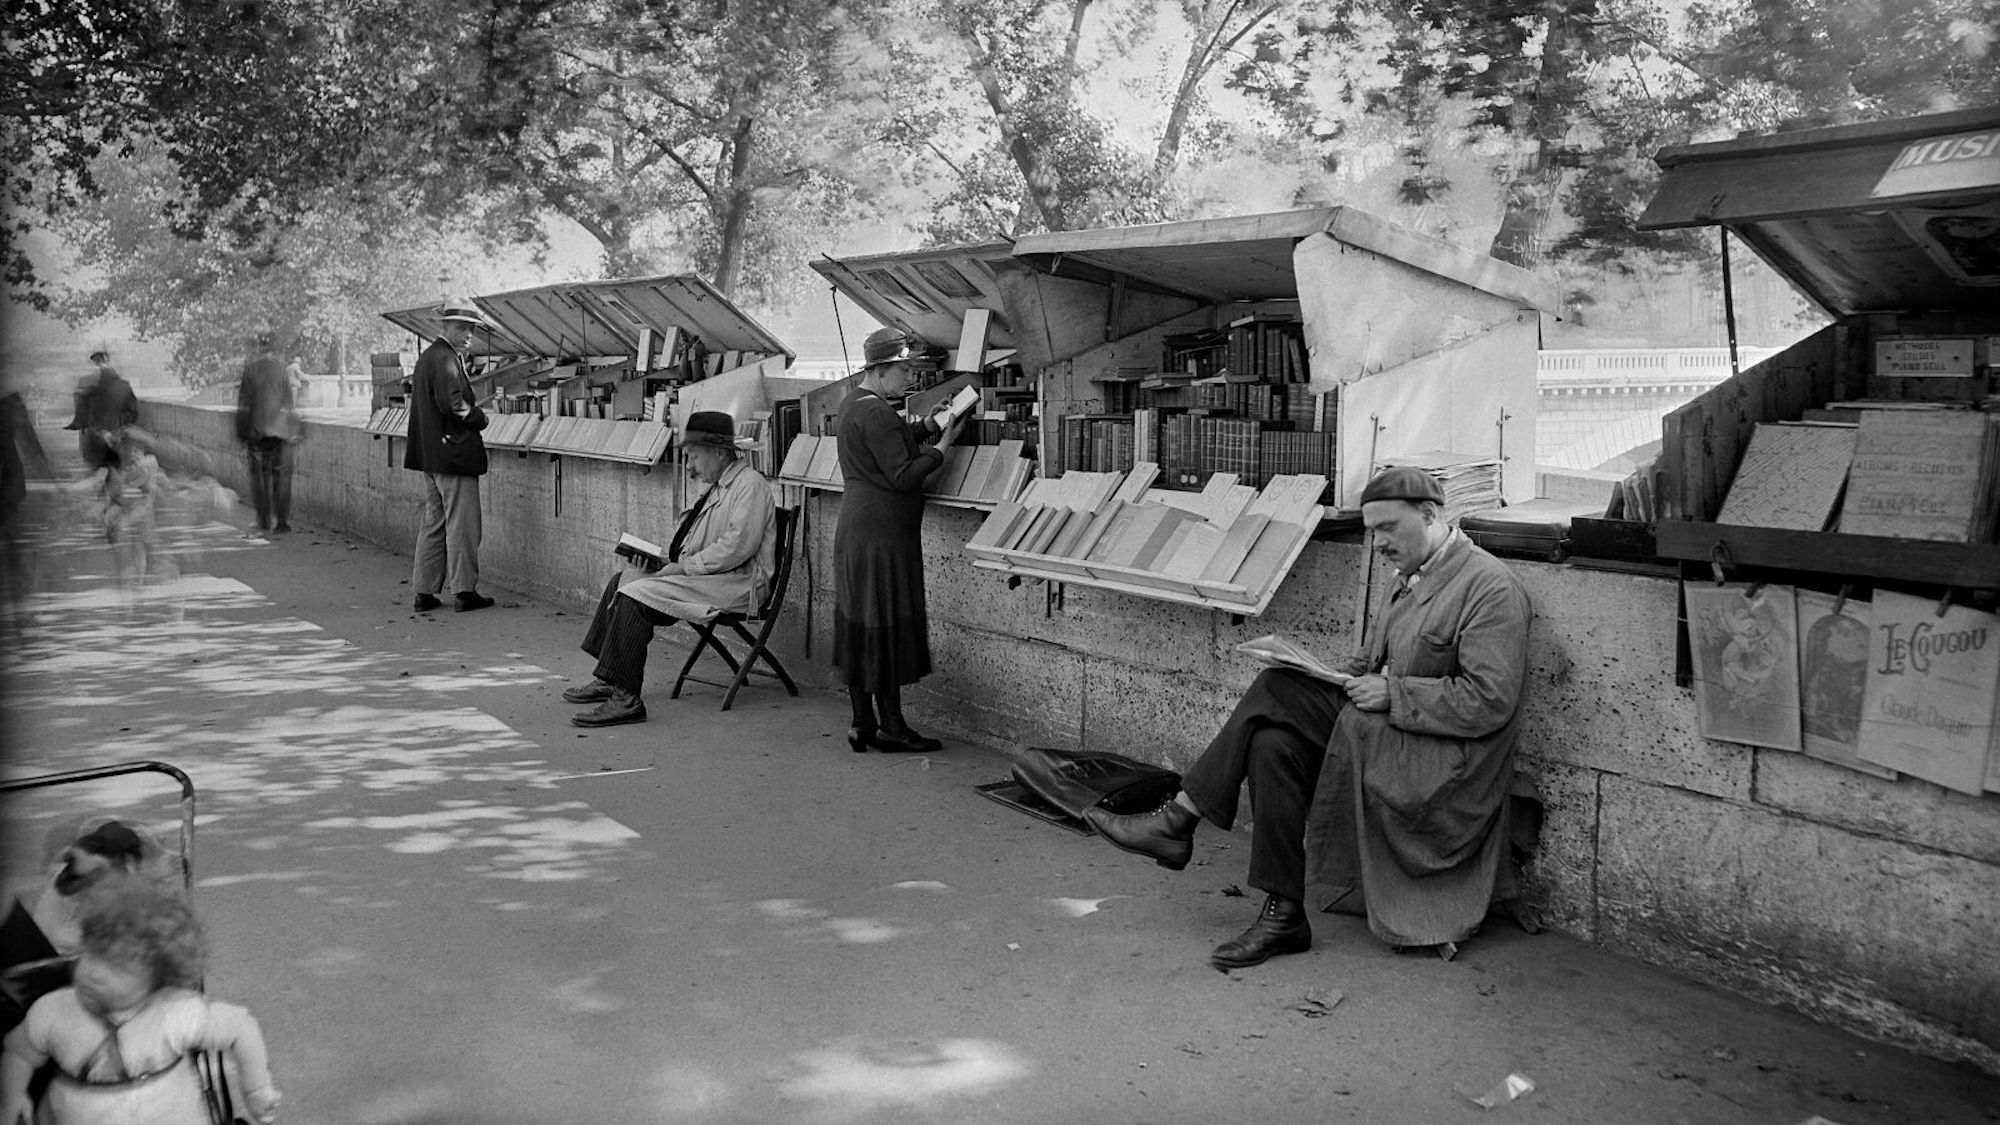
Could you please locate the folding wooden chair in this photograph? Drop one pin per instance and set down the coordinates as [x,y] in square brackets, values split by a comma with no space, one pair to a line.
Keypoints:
[765,619]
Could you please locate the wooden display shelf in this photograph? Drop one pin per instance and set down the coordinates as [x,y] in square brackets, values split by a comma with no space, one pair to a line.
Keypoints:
[1969,566]
[390,421]
[1223,596]
[946,501]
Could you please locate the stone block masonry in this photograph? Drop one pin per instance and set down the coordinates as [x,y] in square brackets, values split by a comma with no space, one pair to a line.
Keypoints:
[1867,903]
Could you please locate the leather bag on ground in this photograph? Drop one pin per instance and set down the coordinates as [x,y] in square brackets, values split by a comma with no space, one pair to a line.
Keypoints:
[1075,780]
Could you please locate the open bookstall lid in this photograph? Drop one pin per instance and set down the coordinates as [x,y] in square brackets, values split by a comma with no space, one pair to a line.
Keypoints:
[602,318]
[926,292]
[1249,257]
[1888,216]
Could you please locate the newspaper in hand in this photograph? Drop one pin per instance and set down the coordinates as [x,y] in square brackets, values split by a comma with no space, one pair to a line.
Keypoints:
[1276,652]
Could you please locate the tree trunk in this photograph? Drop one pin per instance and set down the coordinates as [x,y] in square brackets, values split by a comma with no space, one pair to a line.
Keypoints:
[1204,49]
[733,223]
[1537,176]
[1040,192]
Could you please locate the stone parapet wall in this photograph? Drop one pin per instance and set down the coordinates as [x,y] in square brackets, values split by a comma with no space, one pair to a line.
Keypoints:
[1869,903]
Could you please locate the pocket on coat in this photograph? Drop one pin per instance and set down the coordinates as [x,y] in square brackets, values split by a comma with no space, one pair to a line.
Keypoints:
[1434,656]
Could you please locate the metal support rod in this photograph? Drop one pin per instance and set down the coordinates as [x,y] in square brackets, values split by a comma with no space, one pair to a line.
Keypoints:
[1728,301]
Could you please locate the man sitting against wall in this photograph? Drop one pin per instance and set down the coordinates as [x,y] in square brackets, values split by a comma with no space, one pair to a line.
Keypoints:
[720,560]
[1401,776]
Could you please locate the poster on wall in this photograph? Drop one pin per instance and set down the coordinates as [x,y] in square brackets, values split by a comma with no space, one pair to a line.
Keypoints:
[1833,676]
[1929,705]
[1746,663]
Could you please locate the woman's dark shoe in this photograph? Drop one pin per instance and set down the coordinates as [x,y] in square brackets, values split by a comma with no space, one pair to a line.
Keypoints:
[905,741]
[858,738]
[1279,929]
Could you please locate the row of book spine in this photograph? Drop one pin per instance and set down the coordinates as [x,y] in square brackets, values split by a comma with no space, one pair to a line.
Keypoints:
[1257,348]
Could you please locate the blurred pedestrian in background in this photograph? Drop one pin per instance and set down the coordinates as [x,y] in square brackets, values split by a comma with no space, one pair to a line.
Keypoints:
[267,424]
[105,405]
[21,457]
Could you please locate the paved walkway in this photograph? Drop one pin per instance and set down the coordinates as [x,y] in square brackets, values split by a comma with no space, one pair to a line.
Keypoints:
[448,906]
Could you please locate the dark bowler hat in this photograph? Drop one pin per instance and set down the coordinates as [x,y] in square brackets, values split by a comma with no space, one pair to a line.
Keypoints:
[711,428]
[1401,482]
[99,355]
[885,345]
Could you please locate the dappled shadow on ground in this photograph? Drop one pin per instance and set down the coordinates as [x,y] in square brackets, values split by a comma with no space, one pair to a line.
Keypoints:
[372,789]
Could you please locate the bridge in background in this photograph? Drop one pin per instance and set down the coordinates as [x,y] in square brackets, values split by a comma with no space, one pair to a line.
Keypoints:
[1600,408]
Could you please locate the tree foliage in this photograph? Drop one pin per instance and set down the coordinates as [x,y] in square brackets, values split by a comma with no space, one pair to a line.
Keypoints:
[1015,101]
[1569,99]
[736,138]
[318,281]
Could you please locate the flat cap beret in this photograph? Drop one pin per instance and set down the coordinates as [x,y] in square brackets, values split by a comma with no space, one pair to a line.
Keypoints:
[1401,482]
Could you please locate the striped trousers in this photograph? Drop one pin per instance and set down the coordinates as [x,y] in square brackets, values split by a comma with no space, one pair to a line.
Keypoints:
[619,634]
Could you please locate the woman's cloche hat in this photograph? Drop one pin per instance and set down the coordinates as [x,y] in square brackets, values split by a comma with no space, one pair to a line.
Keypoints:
[885,345]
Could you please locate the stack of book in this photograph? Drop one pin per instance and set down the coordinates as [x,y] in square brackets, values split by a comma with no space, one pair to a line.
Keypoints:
[1226,546]
[1471,483]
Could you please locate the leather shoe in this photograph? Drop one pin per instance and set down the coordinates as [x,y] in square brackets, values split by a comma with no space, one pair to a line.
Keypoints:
[621,707]
[472,599]
[905,741]
[1166,835]
[596,691]
[858,738]
[1280,928]
[424,603]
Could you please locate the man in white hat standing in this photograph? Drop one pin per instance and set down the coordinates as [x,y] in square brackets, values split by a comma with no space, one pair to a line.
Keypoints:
[446,447]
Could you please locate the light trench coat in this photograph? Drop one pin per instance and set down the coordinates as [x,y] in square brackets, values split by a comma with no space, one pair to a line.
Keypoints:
[730,553]
[1409,818]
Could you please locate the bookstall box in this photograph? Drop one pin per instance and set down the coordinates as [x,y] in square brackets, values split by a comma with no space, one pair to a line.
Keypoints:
[607,370]
[1860,466]
[1312,344]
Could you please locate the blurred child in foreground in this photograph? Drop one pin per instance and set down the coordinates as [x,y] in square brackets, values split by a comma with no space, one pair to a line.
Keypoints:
[121,1033]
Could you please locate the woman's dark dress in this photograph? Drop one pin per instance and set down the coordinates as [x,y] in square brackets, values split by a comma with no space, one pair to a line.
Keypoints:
[881,633]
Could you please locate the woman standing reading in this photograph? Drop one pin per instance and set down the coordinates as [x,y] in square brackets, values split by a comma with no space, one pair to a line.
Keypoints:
[881,633]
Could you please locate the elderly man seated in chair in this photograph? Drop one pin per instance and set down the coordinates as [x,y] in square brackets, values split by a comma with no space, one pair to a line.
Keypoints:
[1401,776]
[720,561]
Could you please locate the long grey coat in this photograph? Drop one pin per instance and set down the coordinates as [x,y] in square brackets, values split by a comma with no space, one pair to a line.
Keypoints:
[730,553]
[1410,809]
